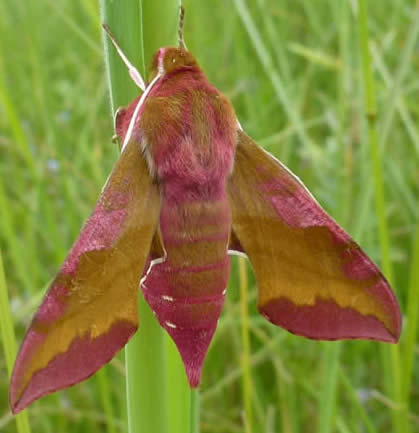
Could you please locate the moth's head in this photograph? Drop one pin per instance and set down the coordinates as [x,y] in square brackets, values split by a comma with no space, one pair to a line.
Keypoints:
[171,59]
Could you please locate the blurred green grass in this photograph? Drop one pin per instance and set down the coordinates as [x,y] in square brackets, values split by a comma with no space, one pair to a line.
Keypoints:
[301,96]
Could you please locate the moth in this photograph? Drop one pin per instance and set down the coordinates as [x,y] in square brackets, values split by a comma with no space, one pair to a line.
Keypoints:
[191,188]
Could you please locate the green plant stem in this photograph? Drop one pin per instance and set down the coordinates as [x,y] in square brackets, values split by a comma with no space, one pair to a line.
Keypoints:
[145,359]
[9,342]
[105,394]
[178,390]
[359,409]
[412,315]
[276,80]
[393,371]
[195,408]
[371,112]
[141,28]
[245,357]
[329,396]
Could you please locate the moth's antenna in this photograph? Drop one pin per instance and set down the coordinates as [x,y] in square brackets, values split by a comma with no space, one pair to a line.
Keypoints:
[181,21]
[135,75]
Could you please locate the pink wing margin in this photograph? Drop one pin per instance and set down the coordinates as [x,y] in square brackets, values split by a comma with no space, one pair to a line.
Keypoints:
[312,278]
[90,310]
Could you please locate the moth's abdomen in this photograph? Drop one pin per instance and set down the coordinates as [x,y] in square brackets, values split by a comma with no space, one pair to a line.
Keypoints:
[186,291]
[189,133]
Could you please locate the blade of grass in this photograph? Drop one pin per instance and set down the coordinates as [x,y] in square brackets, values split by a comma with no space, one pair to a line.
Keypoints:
[404,65]
[16,126]
[328,397]
[276,80]
[178,390]
[403,111]
[245,358]
[273,33]
[358,407]
[230,378]
[9,342]
[195,407]
[412,321]
[74,27]
[288,418]
[15,248]
[395,90]
[400,423]
[145,358]
[105,394]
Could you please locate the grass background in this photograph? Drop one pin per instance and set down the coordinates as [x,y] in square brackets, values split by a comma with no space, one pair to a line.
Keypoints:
[292,69]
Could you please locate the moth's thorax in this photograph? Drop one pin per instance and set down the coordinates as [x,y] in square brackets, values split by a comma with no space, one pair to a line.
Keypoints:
[168,64]
[189,130]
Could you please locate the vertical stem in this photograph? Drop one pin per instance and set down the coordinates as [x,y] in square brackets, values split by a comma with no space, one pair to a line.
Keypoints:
[148,375]
[145,360]
[9,342]
[342,15]
[328,397]
[178,390]
[277,83]
[371,112]
[412,320]
[195,406]
[105,392]
[245,357]
[393,371]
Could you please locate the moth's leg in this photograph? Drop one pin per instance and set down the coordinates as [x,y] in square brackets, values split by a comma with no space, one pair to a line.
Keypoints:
[119,126]
[133,71]
[115,139]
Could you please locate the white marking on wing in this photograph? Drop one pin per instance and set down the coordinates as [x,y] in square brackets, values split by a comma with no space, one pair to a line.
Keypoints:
[171,325]
[136,111]
[147,155]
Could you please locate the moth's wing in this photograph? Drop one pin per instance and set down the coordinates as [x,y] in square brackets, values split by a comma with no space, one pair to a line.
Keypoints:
[313,279]
[90,309]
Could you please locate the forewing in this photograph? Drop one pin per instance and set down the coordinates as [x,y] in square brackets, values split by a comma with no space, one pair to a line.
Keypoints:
[313,279]
[90,310]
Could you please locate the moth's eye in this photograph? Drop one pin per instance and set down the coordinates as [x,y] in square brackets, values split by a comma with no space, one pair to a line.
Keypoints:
[173,60]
